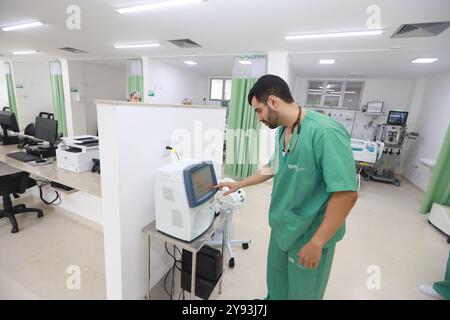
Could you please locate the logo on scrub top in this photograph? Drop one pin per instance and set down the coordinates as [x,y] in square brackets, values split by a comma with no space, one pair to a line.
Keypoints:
[296,167]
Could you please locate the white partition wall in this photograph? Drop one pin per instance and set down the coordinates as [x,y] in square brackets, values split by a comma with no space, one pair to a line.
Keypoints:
[133,138]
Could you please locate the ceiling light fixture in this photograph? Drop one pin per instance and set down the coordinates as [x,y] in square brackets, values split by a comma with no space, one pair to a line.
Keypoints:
[245,62]
[157,5]
[191,63]
[132,46]
[24,52]
[424,60]
[335,34]
[23,26]
[326,61]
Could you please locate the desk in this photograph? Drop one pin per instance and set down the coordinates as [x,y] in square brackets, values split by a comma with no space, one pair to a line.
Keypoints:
[193,246]
[87,181]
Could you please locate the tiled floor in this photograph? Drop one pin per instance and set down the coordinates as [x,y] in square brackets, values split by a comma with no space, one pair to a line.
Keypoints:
[385,235]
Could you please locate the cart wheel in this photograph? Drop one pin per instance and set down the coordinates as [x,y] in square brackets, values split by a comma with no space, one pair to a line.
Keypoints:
[40,214]
[245,246]
[231,263]
[397,183]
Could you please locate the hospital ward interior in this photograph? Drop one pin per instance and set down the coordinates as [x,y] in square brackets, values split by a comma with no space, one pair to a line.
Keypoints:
[225,150]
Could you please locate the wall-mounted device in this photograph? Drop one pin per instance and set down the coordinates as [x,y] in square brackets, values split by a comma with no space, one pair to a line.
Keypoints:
[374,107]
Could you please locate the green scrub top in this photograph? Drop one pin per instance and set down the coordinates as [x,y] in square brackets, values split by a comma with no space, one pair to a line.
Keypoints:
[304,179]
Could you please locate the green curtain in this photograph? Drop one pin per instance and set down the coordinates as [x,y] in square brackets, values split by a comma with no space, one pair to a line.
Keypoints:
[135,83]
[242,144]
[11,94]
[135,76]
[439,188]
[59,108]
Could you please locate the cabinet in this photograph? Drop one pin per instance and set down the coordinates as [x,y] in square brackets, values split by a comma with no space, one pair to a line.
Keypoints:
[334,94]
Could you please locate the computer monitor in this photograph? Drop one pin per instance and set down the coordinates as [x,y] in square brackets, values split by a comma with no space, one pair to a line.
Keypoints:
[8,121]
[397,118]
[199,180]
[46,129]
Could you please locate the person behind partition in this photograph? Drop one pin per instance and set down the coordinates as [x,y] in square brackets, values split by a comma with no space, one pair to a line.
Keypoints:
[187,102]
[134,96]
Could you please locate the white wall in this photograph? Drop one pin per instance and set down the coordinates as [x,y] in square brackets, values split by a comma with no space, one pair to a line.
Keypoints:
[395,93]
[172,84]
[432,123]
[94,81]
[128,171]
[36,94]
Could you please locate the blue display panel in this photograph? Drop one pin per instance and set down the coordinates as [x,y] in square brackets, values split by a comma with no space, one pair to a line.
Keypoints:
[199,180]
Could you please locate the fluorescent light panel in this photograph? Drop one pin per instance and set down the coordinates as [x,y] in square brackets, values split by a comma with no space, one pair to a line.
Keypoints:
[335,34]
[191,63]
[245,62]
[424,60]
[23,26]
[132,46]
[326,61]
[157,5]
[24,52]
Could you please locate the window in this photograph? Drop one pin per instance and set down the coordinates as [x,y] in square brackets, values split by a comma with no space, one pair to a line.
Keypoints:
[334,94]
[220,89]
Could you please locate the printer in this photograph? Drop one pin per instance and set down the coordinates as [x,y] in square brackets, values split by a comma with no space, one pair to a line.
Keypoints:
[76,153]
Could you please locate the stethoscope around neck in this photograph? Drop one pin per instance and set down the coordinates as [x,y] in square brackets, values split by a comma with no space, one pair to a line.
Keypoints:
[285,151]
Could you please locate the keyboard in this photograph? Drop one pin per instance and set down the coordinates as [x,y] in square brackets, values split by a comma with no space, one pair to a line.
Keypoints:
[22,156]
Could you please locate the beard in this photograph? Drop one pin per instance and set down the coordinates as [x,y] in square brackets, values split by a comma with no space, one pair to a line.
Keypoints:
[272,119]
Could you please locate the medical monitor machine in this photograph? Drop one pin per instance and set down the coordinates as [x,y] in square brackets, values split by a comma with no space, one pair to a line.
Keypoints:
[185,198]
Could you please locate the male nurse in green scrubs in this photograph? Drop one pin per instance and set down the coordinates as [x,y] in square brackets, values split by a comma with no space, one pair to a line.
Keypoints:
[314,189]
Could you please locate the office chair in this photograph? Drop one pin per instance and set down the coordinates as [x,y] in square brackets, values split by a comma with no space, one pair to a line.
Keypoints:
[14,184]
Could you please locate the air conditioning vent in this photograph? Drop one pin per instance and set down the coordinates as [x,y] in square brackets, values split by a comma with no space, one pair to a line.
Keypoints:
[185,43]
[430,29]
[72,50]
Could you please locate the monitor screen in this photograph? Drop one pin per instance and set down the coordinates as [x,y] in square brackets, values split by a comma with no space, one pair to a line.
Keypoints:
[199,180]
[202,182]
[8,121]
[397,117]
[46,129]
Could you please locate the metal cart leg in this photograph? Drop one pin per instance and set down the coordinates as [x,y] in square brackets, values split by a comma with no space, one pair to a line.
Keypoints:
[148,268]
[224,241]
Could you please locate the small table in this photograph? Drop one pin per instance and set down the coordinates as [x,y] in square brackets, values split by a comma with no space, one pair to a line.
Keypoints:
[193,247]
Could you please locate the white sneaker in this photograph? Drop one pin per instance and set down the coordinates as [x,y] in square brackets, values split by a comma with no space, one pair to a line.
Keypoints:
[429,291]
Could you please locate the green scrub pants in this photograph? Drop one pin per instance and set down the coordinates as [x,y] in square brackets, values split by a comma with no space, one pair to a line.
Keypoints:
[287,279]
[443,287]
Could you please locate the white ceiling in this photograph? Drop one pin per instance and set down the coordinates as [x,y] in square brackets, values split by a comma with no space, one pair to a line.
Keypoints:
[220,65]
[234,26]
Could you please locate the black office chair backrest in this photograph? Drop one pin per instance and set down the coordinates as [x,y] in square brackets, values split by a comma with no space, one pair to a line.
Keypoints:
[14,183]
[29,130]
[46,115]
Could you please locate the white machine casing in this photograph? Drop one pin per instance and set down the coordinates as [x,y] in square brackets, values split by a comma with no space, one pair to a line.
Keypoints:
[366,151]
[173,214]
[80,161]
[233,201]
[440,218]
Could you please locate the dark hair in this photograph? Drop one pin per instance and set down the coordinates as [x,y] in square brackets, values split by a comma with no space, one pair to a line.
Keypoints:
[270,85]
